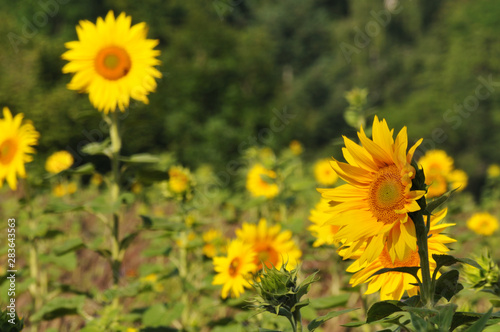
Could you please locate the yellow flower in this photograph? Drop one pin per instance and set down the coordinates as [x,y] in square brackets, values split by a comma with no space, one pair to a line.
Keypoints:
[71,187]
[324,173]
[213,242]
[58,162]
[16,146]
[235,270]
[437,184]
[493,171]
[296,147]
[131,329]
[436,162]
[272,246]
[392,285]
[179,178]
[59,190]
[373,206]
[96,179]
[259,182]
[112,61]
[324,233]
[458,179]
[483,223]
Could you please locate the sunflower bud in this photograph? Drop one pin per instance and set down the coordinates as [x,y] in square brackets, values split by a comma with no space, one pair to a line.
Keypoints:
[279,292]
[487,277]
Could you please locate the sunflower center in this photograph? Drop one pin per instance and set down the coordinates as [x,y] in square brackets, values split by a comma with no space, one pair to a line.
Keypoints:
[266,255]
[386,194]
[385,259]
[7,151]
[234,267]
[112,63]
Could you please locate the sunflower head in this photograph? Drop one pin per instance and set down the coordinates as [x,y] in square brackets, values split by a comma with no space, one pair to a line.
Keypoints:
[272,246]
[234,271]
[323,232]
[112,61]
[372,208]
[58,162]
[261,182]
[483,223]
[324,173]
[16,147]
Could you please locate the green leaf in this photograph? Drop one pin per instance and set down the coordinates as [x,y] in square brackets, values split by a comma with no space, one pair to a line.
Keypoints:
[59,307]
[158,315]
[159,223]
[448,260]
[447,285]
[6,326]
[322,319]
[479,325]
[96,148]
[413,270]
[305,285]
[68,246]
[445,316]
[438,201]
[330,301]
[87,168]
[419,323]
[382,309]
[141,158]
[461,318]
[58,206]
[127,240]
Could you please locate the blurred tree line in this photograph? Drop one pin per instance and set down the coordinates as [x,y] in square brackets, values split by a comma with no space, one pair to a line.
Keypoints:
[232,68]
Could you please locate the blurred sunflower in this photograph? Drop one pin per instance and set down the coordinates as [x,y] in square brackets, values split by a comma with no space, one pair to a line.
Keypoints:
[179,179]
[112,61]
[458,179]
[235,270]
[483,223]
[373,206]
[437,184]
[273,247]
[16,146]
[392,285]
[213,242]
[296,147]
[436,162]
[59,161]
[324,233]
[260,182]
[493,171]
[324,173]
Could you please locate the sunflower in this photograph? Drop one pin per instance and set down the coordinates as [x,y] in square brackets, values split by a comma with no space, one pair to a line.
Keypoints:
[436,162]
[112,61]
[392,285]
[296,147]
[437,184]
[458,179]
[324,173]
[483,223]
[260,182]
[235,270]
[273,246]
[16,146]
[179,179]
[323,233]
[213,242]
[493,171]
[373,206]
[58,162]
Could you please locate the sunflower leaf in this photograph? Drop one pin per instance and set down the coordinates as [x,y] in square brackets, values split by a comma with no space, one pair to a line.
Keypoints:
[448,260]
[447,285]
[317,322]
[435,203]
[96,148]
[382,309]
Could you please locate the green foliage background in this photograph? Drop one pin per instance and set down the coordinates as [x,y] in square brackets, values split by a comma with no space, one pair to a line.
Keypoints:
[228,64]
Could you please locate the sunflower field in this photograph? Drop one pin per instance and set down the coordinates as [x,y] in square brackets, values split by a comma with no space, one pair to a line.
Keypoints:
[236,166]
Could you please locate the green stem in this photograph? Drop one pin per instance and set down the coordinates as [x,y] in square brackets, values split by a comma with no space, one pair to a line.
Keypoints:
[423,253]
[115,194]
[183,274]
[297,317]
